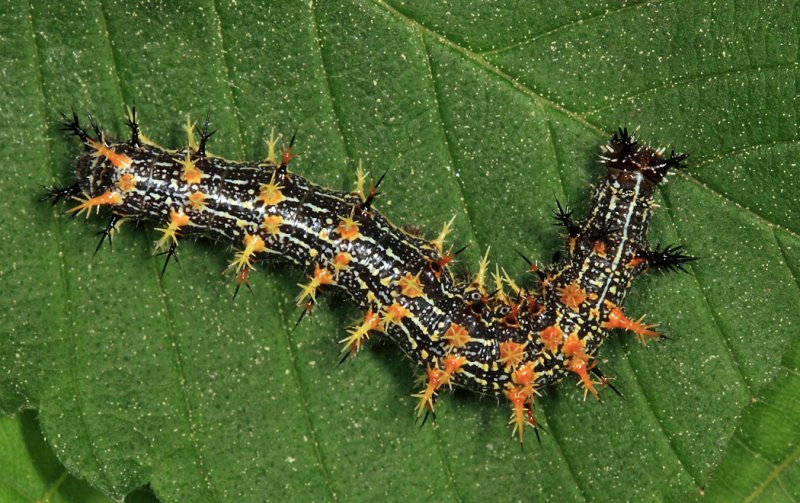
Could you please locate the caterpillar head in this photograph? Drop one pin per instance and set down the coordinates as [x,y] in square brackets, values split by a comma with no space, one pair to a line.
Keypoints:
[624,153]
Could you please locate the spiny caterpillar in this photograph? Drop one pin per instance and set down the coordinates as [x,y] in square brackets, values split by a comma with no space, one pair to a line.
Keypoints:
[487,334]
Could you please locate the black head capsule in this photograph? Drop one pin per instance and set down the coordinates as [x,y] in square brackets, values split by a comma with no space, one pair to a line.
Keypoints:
[623,153]
[624,143]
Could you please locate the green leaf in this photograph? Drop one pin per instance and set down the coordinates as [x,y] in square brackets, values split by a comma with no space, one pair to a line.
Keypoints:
[483,110]
[763,461]
[32,473]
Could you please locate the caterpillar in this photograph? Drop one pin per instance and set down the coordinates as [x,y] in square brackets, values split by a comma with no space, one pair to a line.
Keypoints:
[486,334]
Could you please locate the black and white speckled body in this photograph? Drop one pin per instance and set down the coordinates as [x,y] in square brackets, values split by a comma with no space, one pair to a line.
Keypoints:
[493,338]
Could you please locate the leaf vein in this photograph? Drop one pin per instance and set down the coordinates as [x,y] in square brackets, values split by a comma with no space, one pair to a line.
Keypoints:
[349,153]
[202,467]
[786,261]
[177,359]
[726,198]
[687,80]
[68,312]
[643,391]
[459,183]
[231,94]
[744,150]
[302,392]
[531,93]
[723,335]
[776,471]
[470,218]
[567,26]
[493,69]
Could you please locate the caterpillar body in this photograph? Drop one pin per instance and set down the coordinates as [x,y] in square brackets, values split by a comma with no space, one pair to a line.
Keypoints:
[486,334]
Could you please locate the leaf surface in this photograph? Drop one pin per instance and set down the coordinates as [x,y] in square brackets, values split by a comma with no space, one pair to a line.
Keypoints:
[488,112]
